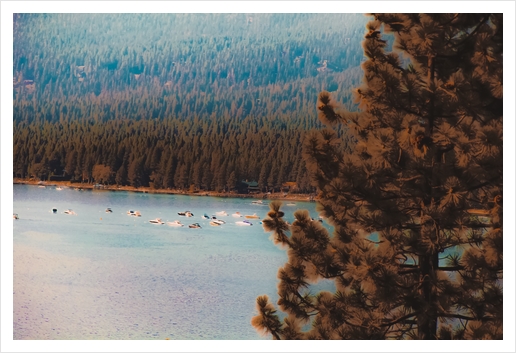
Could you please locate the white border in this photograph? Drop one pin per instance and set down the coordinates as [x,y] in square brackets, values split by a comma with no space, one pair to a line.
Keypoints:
[10,7]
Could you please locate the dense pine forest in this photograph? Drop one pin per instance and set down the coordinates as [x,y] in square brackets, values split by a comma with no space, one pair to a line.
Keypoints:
[175,100]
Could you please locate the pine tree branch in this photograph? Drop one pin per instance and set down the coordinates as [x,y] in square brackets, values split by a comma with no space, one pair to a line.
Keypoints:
[411,178]
[406,272]
[450,21]
[451,268]
[390,323]
[408,266]
[411,226]
[308,304]
[484,20]
[398,334]
[331,276]
[275,334]
[463,317]
[478,226]
[375,242]
[485,183]
[410,269]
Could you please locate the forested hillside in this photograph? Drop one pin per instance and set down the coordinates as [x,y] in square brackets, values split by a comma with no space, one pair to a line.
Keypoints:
[171,100]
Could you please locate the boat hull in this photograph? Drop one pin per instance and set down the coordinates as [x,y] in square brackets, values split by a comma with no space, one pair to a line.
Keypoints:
[242,223]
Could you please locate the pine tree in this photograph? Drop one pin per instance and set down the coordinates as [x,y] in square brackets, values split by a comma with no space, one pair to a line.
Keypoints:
[262,179]
[121,175]
[416,250]
[135,172]
[232,181]
[168,174]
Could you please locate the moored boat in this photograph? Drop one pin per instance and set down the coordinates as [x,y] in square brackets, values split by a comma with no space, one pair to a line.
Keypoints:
[236,214]
[252,216]
[156,221]
[244,223]
[185,214]
[15,216]
[175,224]
[213,218]
[216,223]
[257,202]
[109,210]
[54,210]
[134,213]
[205,216]
[71,212]
[221,213]
[194,225]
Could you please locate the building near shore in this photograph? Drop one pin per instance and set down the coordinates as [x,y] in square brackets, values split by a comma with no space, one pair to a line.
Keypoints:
[248,187]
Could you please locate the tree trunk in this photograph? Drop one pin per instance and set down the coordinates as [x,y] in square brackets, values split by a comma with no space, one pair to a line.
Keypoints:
[427,319]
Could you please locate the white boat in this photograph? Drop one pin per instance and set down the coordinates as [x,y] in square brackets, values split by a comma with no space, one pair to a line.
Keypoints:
[205,216]
[257,202]
[252,216]
[221,213]
[59,188]
[109,210]
[213,218]
[185,214]
[69,211]
[243,223]
[194,225]
[291,204]
[134,213]
[175,224]
[15,216]
[156,221]
[41,186]
[217,222]
[236,214]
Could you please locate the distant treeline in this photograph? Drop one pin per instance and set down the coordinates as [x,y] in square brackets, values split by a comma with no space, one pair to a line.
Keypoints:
[173,153]
[177,99]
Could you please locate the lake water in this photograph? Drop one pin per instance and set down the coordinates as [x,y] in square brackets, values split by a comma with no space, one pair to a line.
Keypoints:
[98,275]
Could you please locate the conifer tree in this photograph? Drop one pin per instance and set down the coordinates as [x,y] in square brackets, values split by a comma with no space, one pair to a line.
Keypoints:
[121,175]
[232,181]
[416,207]
[135,172]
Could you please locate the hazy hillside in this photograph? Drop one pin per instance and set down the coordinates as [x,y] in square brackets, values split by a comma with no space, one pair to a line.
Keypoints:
[215,68]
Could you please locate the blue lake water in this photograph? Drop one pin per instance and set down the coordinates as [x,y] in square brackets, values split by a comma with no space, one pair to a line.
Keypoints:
[98,275]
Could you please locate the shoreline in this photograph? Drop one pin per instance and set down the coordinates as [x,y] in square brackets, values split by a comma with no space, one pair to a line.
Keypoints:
[85,186]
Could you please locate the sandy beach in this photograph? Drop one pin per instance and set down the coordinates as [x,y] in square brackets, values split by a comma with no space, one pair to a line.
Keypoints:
[268,196]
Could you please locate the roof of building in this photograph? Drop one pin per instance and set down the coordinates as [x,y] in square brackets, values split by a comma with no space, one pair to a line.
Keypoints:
[251,184]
